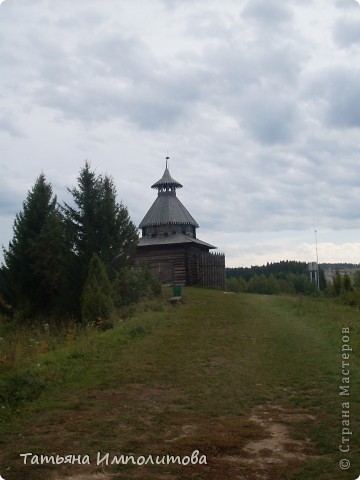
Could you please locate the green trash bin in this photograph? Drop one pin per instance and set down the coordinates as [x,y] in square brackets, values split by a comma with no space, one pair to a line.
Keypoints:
[177,290]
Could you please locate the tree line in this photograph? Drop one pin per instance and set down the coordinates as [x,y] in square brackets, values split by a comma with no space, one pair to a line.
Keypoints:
[346,288]
[291,277]
[73,258]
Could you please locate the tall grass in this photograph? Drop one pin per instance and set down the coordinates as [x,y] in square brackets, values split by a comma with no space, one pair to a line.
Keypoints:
[41,354]
[23,343]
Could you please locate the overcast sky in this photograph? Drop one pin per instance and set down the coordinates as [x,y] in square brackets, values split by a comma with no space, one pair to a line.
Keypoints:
[256,102]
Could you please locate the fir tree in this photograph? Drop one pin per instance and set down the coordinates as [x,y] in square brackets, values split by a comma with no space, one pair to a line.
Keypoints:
[96,224]
[32,263]
[50,256]
[118,235]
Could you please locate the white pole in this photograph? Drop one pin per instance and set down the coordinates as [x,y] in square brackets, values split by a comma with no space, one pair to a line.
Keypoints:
[317,261]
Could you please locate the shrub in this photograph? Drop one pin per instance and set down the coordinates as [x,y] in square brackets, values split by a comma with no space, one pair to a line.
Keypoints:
[16,388]
[96,300]
[132,284]
[232,284]
[351,298]
[347,283]
[337,285]
[5,309]
[301,284]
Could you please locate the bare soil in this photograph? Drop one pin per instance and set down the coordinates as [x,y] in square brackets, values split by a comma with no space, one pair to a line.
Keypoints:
[256,448]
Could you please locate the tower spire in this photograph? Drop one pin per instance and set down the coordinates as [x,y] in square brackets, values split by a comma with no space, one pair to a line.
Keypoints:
[166,182]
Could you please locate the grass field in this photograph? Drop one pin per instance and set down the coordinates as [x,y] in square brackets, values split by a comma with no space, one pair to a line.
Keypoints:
[250,381]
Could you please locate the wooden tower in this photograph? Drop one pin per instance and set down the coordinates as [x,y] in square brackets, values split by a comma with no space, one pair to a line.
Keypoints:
[169,245]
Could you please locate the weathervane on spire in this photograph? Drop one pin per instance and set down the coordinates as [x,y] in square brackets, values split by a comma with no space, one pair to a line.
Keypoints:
[166,160]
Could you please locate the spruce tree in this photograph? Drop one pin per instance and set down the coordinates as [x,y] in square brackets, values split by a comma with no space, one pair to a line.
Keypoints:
[33,261]
[118,235]
[96,224]
[50,255]
[82,220]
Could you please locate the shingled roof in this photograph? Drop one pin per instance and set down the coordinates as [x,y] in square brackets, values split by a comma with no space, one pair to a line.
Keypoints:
[166,181]
[173,239]
[167,209]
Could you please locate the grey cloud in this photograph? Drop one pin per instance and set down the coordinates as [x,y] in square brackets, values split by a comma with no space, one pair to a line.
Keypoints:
[210,25]
[258,151]
[284,63]
[10,199]
[251,202]
[270,118]
[241,66]
[173,5]
[150,102]
[268,12]
[54,64]
[257,88]
[118,55]
[109,75]
[8,125]
[345,4]
[113,75]
[90,94]
[347,32]
[336,91]
[277,207]
[87,18]
[153,114]
[344,100]
[266,191]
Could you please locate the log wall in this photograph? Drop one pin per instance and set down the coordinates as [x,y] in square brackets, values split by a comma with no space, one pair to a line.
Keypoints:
[184,265]
[212,270]
[167,264]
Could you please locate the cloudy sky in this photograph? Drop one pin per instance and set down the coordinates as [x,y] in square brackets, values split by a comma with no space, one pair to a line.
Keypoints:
[256,102]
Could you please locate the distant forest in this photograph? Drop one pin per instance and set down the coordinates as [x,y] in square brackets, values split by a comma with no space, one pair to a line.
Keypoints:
[281,277]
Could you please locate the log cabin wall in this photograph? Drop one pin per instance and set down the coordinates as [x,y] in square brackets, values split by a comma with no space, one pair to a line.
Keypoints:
[184,266]
[168,265]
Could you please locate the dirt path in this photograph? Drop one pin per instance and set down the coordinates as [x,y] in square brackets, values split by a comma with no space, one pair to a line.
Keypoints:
[271,450]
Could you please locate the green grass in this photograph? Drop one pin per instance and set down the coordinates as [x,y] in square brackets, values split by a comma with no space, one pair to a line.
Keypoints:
[197,376]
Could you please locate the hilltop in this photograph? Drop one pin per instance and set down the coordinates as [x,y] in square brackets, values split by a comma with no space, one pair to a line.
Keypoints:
[250,381]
